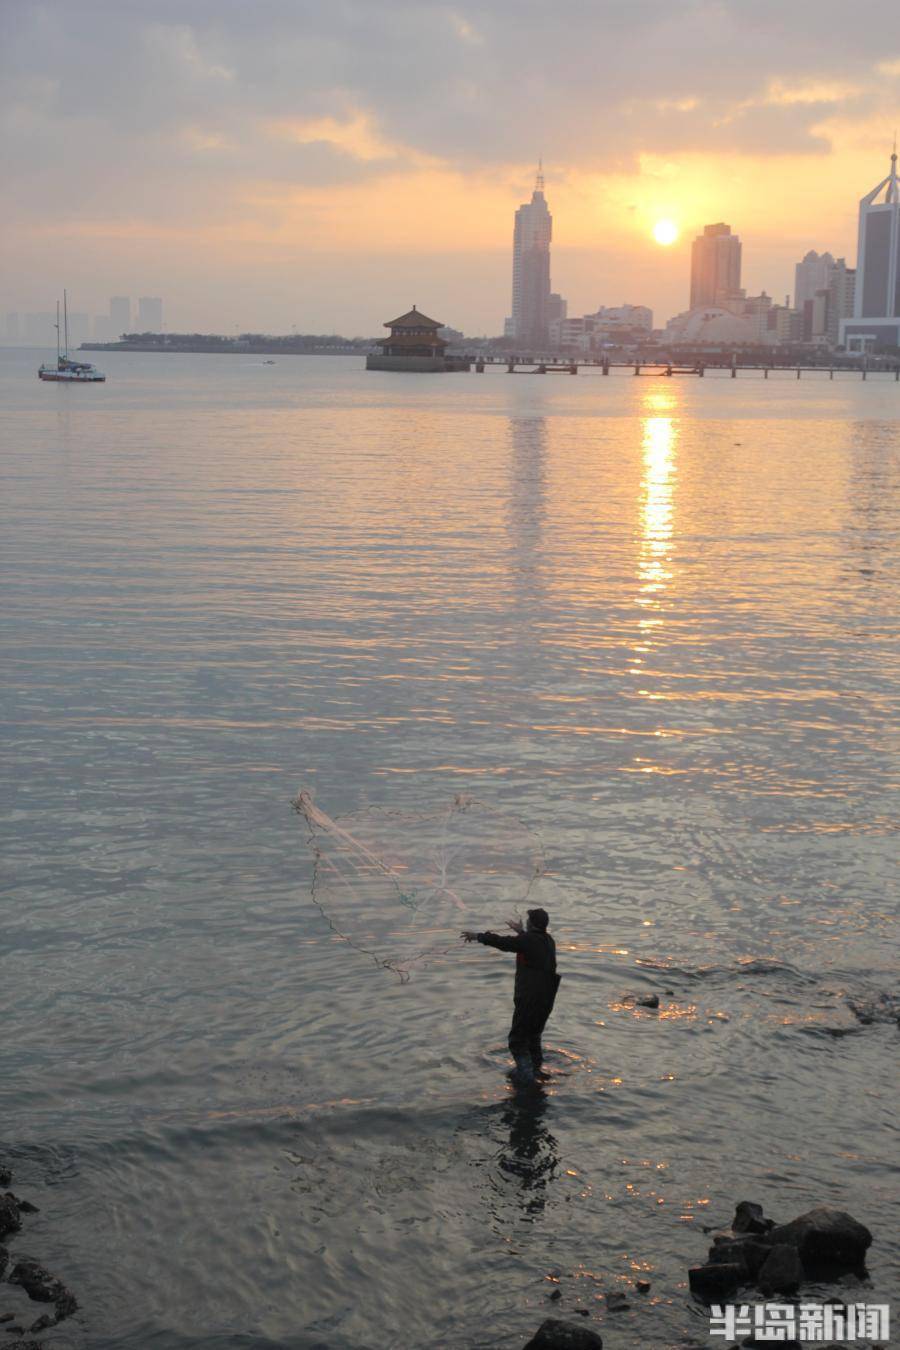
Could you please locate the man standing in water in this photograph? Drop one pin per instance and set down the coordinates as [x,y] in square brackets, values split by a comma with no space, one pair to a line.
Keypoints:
[536,986]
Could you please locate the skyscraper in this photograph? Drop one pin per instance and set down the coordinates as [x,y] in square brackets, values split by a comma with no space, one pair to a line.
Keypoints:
[529,324]
[876,306]
[149,315]
[120,315]
[715,266]
[811,275]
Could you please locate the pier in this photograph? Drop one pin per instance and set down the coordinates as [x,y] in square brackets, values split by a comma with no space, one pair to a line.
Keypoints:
[668,369]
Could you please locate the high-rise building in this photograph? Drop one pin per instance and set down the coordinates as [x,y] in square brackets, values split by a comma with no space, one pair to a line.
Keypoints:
[811,275]
[149,315]
[841,289]
[531,271]
[715,266]
[120,315]
[876,307]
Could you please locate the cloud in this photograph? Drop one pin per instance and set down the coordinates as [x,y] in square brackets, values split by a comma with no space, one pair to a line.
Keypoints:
[415,124]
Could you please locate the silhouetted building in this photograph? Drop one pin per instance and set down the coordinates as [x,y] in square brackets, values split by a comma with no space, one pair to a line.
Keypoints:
[876,308]
[120,315]
[149,315]
[530,320]
[715,267]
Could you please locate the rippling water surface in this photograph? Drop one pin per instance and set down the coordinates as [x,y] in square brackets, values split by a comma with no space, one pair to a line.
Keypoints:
[653,619]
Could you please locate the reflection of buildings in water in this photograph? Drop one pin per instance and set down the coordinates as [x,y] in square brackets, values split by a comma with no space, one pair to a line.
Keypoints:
[531,1158]
[526,510]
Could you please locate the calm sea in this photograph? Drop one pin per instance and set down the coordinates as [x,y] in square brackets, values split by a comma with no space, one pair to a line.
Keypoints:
[656,621]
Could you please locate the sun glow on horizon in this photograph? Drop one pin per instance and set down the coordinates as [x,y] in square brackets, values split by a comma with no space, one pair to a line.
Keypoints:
[665,232]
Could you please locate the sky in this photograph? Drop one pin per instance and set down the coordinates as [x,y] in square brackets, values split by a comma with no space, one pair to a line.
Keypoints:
[325,164]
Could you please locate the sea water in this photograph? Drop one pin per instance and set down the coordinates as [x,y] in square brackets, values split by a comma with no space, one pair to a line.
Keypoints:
[655,620]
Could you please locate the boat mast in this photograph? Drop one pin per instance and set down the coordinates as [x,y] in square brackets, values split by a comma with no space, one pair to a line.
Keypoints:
[56,325]
[66,324]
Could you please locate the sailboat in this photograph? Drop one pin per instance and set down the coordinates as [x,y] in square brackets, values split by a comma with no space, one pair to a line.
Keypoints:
[66,370]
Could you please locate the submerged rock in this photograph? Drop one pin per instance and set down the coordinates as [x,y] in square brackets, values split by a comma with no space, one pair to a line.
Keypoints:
[828,1241]
[616,1301]
[10,1222]
[642,1286]
[648,1001]
[43,1287]
[555,1335]
[884,1008]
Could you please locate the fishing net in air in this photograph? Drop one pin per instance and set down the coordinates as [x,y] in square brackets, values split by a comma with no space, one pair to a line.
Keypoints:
[400,886]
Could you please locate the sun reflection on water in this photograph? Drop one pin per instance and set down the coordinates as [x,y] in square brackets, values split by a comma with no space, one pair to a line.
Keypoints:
[656,512]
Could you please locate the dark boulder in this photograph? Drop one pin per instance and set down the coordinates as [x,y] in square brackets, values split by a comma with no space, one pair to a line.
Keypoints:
[10,1222]
[642,1286]
[828,1242]
[648,1001]
[781,1272]
[43,1287]
[554,1335]
[748,1218]
[715,1282]
[747,1251]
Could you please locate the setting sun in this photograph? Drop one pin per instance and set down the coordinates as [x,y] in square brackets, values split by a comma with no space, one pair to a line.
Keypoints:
[665,232]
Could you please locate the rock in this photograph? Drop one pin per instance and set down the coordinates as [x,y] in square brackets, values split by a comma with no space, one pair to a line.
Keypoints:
[781,1272]
[715,1282]
[5,1176]
[43,1322]
[748,1218]
[749,1252]
[9,1215]
[43,1287]
[557,1293]
[828,1241]
[648,1001]
[25,1206]
[554,1335]
[642,1286]
[616,1301]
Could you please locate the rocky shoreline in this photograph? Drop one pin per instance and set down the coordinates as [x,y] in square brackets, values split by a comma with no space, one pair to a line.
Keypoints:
[28,1274]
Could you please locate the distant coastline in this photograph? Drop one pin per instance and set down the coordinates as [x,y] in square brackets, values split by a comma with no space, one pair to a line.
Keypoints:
[247,344]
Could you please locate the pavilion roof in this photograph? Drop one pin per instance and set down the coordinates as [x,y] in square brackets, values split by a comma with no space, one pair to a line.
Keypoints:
[413,319]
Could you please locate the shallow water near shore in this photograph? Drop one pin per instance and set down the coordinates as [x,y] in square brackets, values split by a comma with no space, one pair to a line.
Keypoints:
[656,621]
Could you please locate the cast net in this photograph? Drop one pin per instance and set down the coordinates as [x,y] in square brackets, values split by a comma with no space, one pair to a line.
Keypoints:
[400,886]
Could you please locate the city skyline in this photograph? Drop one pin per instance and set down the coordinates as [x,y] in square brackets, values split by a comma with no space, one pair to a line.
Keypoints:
[310,166]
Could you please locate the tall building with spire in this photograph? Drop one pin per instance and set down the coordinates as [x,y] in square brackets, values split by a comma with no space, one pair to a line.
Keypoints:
[715,267]
[530,320]
[876,309]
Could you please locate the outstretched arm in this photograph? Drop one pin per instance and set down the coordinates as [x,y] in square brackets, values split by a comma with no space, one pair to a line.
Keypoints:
[514,943]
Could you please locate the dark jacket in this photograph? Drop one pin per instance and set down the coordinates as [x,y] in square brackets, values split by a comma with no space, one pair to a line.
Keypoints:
[536,978]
